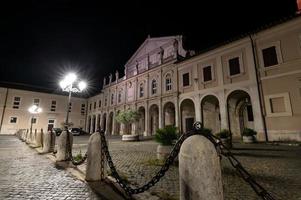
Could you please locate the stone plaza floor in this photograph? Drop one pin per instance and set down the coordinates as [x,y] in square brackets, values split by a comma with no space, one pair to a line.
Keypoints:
[275,167]
[26,175]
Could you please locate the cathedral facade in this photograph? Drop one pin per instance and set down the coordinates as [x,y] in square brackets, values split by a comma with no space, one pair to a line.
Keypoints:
[252,82]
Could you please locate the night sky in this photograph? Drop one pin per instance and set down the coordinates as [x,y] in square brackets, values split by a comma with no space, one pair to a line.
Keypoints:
[41,40]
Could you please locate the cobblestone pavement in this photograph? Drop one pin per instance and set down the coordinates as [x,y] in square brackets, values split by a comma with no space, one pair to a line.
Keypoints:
[277,168]
[26,175]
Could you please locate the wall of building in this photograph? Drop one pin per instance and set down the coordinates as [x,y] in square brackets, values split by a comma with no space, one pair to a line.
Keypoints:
[281,82]
[23,117]
[229,97]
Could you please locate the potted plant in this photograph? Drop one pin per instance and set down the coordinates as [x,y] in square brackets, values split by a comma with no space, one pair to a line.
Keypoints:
[127,117]
[248,135]
[225,137]
[165,137]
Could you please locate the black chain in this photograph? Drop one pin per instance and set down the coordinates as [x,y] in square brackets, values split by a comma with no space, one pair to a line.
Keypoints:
[198,130]
[130,191]
[69,153]
[244,174]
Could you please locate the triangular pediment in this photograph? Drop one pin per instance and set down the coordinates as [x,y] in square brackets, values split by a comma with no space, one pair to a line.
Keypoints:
[148,46]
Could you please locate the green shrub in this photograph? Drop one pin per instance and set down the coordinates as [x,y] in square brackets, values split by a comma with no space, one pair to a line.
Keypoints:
[165,136]
[78,156]
[249,132]
[223,134]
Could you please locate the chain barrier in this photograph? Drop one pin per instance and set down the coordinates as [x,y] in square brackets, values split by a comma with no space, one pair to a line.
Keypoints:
[130,191]
[243,173]
[198,130]
[69,155]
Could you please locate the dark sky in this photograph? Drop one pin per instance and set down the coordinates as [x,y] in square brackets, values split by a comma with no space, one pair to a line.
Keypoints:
[40,40]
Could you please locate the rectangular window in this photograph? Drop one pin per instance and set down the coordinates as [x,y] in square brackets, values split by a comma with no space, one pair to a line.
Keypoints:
[13,120]
[186,79]
[207,74]
[250,113]
[53,106]
[70,106]
[16,103]
[106,101]
[269,56]
[82,109]
[94,105]
[119,97]
[99,103]
[112,99]
[90,106]
[34,120]
[141,93]
[36,102]
[234,66]
[277,105]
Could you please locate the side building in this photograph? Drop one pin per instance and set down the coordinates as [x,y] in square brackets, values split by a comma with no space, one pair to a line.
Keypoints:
[14,114]
[253,82]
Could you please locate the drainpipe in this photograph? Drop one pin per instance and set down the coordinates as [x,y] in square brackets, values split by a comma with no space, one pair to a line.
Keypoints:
[4,107]
[259,88]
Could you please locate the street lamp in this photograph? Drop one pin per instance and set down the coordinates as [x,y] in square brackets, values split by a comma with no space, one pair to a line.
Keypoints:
[70,84]
[34,109]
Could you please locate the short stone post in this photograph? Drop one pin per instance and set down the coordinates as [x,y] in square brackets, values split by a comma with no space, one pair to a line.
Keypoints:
[93,169]
[46,142]
[199,170]
[62,146]
[38,140]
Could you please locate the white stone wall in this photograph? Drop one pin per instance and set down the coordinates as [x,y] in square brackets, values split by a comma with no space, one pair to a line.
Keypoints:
[24,117]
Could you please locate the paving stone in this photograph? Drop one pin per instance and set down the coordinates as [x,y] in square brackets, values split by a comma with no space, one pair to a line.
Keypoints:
[277,168]
[26,175]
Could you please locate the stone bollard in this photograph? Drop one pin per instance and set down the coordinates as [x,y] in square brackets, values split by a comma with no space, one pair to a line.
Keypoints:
[46,142]
[38,140]
[199,170]
[62,146]
[93,169]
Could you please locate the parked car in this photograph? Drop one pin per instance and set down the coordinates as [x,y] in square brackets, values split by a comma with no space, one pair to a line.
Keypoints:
[77,131]
[57,131]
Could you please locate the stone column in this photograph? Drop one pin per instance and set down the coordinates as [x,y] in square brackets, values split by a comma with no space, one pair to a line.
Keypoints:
[107,123]
[113,124]
[93,169]
[91,124]
[258,120]
[200,176]
[197,106]
[223,110]
[160,114]
[146,124]
[96,122]
[177,121]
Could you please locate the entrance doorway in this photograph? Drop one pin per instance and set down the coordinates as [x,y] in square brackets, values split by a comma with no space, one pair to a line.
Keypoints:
[189,124]
[51,123]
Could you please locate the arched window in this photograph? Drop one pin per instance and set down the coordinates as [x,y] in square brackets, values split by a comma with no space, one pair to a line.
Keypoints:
[141,90]
[154,87]
[168,82]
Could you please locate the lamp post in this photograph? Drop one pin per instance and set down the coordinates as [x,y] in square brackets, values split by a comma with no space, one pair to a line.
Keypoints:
[34,109]
[67,85]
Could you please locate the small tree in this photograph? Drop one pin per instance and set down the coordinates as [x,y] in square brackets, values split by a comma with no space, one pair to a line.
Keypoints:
[127,117]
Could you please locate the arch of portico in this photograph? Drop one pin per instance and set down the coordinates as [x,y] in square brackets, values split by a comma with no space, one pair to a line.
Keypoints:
[187,111]
[240,112]
[169,114]
[153,118]
[210,112]
[142,120]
